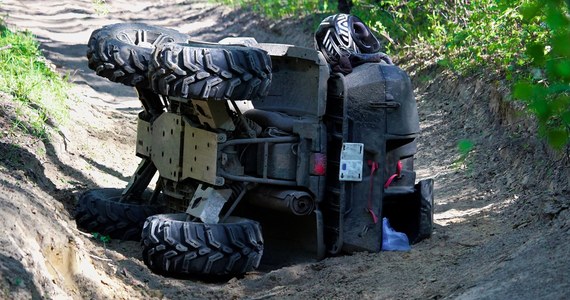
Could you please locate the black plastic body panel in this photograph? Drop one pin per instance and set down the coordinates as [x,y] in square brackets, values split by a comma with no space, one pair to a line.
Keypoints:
[373,105]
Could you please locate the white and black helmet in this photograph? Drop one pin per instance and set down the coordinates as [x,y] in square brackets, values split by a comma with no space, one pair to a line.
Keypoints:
[343,34]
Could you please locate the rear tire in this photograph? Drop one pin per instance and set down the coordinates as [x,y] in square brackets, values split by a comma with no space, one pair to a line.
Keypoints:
[121,52]
[175,247]
[210,71]
[98,210]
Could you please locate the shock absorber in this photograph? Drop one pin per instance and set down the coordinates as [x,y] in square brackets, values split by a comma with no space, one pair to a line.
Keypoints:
[151,102]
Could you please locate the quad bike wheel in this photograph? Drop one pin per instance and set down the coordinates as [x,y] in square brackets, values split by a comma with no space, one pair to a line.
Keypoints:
[121,52]
[98,210]
[176,247]
[210,71]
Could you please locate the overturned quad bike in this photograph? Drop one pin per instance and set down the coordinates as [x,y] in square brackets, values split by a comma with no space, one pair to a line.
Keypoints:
[242,132]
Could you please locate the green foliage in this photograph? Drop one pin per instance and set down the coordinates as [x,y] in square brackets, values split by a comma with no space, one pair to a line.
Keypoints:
[464,147]
[547,94]
[281,8]
[527,42]
[460,35]
[40,92]
[102,238]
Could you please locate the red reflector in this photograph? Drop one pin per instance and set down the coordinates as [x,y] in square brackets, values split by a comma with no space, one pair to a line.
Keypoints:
[319,164]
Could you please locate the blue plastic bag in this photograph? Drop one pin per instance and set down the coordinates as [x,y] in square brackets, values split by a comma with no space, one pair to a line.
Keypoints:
[393,240]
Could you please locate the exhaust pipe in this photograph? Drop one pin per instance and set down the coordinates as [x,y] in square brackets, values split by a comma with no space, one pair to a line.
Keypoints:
[299,203]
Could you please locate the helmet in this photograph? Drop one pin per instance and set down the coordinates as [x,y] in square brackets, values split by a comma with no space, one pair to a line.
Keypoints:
[342,34]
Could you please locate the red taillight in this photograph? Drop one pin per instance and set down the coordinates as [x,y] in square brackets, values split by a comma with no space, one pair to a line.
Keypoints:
[318,164]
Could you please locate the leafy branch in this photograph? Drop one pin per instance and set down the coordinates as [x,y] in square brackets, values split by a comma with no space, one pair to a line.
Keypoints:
[547,92]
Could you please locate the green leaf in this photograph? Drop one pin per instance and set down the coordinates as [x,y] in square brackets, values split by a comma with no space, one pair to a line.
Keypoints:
[465,146]
[105,238]
[561,44]
[529,11]
[563,68]
[555,18]
[566,117]
[443,62]
[560,104]
[523,90]
[541,108]
[557,88]
[536,52]
[557,138]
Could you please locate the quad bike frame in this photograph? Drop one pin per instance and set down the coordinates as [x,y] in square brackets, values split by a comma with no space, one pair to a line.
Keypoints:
[373,106]
[308,144]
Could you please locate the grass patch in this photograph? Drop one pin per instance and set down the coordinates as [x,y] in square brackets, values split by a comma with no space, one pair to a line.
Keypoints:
[284,8]
[101,7]
[40,94]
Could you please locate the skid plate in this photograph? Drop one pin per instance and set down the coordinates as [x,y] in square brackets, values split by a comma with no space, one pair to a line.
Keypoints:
[166,140]
[201,156]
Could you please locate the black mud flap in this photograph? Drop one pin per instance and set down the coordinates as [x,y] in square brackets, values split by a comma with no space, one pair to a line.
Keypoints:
[412,213]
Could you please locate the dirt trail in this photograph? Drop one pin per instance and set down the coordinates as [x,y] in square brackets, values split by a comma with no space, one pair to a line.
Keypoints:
[502,217]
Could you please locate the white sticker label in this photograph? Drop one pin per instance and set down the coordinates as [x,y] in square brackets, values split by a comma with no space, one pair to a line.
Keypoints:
[351,156]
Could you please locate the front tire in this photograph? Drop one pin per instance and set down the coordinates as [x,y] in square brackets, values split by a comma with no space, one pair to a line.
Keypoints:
[121,52]
[176,247]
